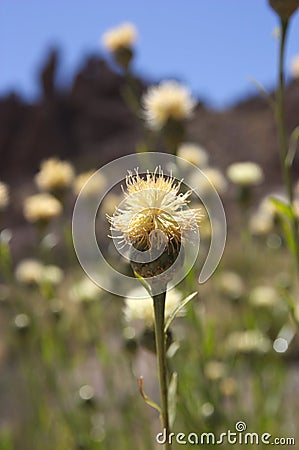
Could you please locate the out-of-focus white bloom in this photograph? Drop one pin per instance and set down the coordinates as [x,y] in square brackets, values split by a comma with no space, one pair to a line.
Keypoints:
[245,174]
[267,206]
[4,196]
[295,67]
[85,291]
[52,275]
[193,153]
[54,175]
[214,370]
[94,187]
[168,100]
[139,305]
[250,341]
[215,179]
[264,296]
[231,285]
[261,224]
[123,36]
[29,272]
[41,208]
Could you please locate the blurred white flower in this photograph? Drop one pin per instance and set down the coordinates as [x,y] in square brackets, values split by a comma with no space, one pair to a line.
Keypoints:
[264,296]
[123,36]
[94,187]
[201,185]
[54,175]
[267,207]
[139,305]
[41,208]
[261,224]
[250,341]
[85,291]
[29,272]
[52,274]
[245,174]
[168,100]
[193,153]
[231,285]
[4,196]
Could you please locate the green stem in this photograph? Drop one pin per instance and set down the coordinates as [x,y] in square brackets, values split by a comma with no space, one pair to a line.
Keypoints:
[283,138]
[159,308]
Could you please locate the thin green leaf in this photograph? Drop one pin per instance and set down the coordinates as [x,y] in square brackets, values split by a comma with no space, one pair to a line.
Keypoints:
[282,208]
[294,138]
[289,300]
[172,394]
[174,347]
[143,282]
[263,92]
[288,233]
[178,309]
[147,400]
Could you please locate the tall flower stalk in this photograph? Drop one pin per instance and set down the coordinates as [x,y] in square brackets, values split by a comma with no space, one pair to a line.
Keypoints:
[152,221]
[285,158]
[159,308]
[285,9]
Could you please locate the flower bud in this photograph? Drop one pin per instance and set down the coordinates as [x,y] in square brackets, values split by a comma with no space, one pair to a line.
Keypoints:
[284,8]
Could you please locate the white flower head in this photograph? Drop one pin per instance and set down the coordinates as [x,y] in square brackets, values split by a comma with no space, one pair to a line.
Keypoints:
[123,36]
[153,204]
[41,208]
[194,154]
[139,305]
[4,196]
[245,174]
[168,100]
[54,175]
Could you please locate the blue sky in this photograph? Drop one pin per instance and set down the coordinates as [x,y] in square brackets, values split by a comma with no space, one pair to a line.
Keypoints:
[213,46]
